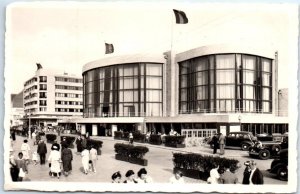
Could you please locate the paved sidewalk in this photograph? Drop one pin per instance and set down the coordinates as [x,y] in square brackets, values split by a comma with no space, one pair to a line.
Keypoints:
[160,164]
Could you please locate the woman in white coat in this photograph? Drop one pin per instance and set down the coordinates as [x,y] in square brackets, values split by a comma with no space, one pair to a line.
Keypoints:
[85,154]
[55,161]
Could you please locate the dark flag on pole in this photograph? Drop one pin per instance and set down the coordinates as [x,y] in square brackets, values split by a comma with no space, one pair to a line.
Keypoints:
[39,66]
[109,48]
[180,17]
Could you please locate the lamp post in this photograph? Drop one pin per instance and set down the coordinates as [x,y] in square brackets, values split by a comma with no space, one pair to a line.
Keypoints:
[240,119]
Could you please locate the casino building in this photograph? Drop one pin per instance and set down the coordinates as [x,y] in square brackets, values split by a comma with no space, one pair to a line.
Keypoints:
[215,88]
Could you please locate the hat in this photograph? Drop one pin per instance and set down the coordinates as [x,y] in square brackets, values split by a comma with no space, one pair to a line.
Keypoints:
[129,173]
[247,163]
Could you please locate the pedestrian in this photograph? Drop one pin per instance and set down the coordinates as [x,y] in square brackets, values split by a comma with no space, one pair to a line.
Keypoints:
[256,177]
[93,158]
[228,177]
[54,161]
[14,170]
[42,151]
[214,174]
[25,148]
[83,142]
[143,177]
[222,141]
[177,178]
[79,143]
[66,157]
[85,159]
[34,138]
[64,144]
[116,177]
[34,157]
[215,143]
[130,138]
[21,164]
[13,134]
[130,177]
[247,173]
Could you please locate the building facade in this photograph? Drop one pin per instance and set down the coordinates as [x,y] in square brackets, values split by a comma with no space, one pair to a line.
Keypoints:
[218,88]
[49,97]
[17,111]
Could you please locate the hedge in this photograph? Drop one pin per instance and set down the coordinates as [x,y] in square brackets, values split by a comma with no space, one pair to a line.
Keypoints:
[97,144]
[118,134]
[155,139]
[126,135]
[130,150]
[137,136]
[202,163]
[174,140]
[50,137]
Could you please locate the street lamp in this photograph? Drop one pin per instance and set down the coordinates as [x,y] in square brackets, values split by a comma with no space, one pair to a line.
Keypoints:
[240,119]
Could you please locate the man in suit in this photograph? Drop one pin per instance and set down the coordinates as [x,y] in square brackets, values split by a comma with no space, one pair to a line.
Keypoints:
[42,150]
[228,177]
[215,142]
[256,177]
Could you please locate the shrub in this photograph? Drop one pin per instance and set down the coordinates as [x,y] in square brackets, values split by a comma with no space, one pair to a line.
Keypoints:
[130,150]
[118,134]
[97,144]
[155,139]
[41,133]
[174,140]
[125,135]
[201,162]
[50,137]
[137,136]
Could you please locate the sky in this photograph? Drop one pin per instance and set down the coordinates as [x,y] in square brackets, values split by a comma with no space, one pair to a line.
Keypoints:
[64,36]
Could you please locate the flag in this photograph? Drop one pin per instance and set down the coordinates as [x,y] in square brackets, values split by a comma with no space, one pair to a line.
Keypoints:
[39,66]
[109,48]
[180,17]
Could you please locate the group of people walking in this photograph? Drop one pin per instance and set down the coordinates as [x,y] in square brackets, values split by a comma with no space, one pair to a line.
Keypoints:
[252,175]
[218,140]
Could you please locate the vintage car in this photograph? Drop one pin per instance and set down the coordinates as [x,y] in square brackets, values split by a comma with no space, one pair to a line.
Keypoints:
[280,166]
[267,149]
[241,139]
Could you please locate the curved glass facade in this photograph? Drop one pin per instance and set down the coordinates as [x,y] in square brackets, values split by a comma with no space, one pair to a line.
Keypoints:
[225,83]
[124,90]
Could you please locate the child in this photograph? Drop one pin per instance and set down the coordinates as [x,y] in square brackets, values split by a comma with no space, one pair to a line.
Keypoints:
[34,157]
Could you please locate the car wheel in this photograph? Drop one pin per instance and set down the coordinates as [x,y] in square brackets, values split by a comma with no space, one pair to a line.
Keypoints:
[264,154]
[282,173]
[245,147]
[276,148]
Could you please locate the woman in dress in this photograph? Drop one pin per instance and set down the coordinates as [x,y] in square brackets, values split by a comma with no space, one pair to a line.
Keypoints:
[214,175]
[25,148]
[93,158]
[21,164]
[130,177]
[66,157]
[143,177]
[85,154]
[54,159]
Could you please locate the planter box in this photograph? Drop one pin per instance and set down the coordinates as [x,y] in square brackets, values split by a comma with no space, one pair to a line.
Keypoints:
[175,145]
[139,141]
[191,173]
[48,141]
[152,143]
[119,138]
[138,161]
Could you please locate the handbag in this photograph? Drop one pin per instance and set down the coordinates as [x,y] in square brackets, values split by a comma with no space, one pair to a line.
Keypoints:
[21,173]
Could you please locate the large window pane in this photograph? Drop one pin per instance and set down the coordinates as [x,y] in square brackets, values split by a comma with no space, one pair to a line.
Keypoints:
[225,61]
[153,96]
[266,79]
[248,77]
[154,82]
[154,69]
[225,76]
[248,92]
[225,91]
[249,62]
[202,78]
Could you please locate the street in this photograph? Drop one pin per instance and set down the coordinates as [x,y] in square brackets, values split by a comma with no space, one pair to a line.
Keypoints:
[160,165]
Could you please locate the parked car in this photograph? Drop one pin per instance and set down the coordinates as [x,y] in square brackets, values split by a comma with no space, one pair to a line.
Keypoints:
[241,139]
[280,166]
[266,150]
